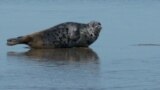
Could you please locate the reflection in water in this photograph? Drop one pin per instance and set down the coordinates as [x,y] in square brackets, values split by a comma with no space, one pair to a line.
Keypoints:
[63,54]
[58,68]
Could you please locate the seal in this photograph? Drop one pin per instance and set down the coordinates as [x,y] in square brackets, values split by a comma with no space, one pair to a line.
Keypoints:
[64,35]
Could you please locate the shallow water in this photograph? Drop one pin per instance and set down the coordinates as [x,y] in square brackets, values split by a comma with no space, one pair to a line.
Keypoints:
[126,56]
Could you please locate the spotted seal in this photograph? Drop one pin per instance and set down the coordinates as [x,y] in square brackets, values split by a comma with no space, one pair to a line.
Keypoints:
[64,35]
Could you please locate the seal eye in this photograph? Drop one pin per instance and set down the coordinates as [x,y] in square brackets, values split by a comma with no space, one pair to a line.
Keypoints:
[99,23]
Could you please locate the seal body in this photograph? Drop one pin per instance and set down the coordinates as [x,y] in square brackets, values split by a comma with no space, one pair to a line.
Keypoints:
[64,35]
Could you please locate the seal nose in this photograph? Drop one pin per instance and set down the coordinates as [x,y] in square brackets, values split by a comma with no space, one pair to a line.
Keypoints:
[99,25]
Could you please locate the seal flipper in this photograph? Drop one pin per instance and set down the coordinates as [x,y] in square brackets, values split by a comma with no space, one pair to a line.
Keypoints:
[74,33]
[74,36]
[19,40]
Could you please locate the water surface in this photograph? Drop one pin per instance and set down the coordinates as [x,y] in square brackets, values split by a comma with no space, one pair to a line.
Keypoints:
[126,55]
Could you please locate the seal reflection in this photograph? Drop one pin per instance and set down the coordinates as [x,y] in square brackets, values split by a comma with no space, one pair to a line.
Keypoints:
[82,55]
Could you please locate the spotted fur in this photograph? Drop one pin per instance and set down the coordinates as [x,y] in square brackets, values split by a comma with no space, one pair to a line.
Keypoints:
[65,35]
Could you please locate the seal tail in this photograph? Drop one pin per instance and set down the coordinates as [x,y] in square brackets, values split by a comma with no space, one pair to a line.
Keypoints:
[18,40]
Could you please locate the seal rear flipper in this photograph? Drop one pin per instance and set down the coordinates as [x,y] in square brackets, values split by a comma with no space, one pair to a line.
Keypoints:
[18,40]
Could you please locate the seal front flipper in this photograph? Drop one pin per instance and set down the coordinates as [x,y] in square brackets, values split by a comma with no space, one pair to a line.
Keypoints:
[74,35]
[19,40]
[73,32]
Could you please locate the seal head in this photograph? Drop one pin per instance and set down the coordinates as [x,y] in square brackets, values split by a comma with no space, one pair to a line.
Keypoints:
[95,26]
[89,34]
